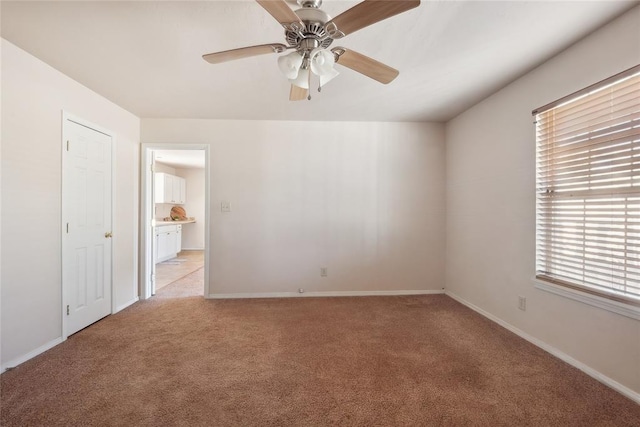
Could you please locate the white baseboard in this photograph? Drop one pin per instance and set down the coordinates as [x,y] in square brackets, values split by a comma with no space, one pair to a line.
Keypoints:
[324,294]
[18,360]
[126,304]
[191,249]
[552,350]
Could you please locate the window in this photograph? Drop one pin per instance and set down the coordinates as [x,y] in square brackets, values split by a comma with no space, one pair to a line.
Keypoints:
[588,189]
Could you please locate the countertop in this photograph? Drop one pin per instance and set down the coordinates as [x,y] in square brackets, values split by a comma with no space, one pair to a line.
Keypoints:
[161,223]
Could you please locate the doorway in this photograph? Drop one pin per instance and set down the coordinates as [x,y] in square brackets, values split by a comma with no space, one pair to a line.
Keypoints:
[175,228]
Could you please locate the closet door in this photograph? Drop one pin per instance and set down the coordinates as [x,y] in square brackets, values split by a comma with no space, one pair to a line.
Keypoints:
[86,234]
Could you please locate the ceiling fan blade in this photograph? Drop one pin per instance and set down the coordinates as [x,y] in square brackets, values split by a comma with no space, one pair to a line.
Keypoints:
[297,93]
[243,52]
[365,65]
[366,13]
[281,12]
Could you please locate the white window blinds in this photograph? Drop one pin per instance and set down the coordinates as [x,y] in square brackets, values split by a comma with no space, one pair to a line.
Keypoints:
[588,189]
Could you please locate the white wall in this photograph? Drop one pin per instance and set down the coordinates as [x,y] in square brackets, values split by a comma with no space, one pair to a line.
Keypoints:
[365,200]
[193,233]
[491,208]
[33,98]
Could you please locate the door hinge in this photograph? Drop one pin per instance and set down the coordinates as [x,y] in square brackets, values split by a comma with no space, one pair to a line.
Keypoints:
[153,278]
[153,168]
[67,228]
[67,145]
[67,309]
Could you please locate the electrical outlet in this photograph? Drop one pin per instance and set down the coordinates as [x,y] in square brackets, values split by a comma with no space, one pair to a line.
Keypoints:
[522,303]
[225,206]
[324,271]
[300,290]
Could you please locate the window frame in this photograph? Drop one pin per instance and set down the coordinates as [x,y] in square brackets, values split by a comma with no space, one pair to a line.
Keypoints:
[619,302]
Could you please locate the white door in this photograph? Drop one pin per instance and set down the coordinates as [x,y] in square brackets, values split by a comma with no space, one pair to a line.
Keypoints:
[86,216]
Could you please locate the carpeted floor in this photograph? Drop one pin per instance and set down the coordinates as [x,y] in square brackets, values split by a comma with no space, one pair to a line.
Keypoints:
[369,361]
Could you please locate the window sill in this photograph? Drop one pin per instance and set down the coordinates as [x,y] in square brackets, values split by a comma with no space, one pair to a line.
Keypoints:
[593,300]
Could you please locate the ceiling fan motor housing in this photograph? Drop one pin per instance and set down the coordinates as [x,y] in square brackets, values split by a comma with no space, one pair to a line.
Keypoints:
[310,3]
[313,20]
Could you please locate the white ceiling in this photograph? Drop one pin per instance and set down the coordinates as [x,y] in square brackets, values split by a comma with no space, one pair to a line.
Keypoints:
[183,159]
[146,55]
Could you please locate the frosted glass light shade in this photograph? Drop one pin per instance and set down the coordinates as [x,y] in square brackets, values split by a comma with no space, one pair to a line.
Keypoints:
[302,79]
[327,77]
[322,62]
[290,64]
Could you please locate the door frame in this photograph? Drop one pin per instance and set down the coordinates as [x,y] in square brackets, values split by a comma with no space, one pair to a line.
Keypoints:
[147,221]
[66,116]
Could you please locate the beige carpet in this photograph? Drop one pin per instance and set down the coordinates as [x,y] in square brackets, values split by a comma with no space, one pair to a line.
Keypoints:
[372,361]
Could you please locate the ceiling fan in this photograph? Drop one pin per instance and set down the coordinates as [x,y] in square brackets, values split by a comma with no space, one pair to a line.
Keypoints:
[310,31]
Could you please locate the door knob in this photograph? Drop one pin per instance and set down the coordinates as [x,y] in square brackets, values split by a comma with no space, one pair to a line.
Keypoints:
[108,235]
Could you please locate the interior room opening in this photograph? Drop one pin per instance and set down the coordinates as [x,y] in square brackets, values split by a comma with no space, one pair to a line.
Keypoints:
[178,222]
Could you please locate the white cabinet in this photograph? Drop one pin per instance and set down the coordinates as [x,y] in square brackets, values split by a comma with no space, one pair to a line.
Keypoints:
[168,242]
[163,188]
[169,188]
[179,190]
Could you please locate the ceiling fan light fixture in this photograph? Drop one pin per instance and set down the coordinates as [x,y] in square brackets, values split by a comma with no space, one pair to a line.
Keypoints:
[327,77]
[310,31]
[322,61]
[290,64]
[302,80]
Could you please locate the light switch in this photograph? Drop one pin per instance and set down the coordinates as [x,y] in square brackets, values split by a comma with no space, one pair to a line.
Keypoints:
[225,206]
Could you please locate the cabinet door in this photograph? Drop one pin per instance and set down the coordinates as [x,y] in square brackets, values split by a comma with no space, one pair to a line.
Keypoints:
[158,188]
[169,193]
[175,185]
[172,243]
[163,246]
[179,241]
[163,188]
[183,191]
[166,242]
[169,188]
[155,248]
